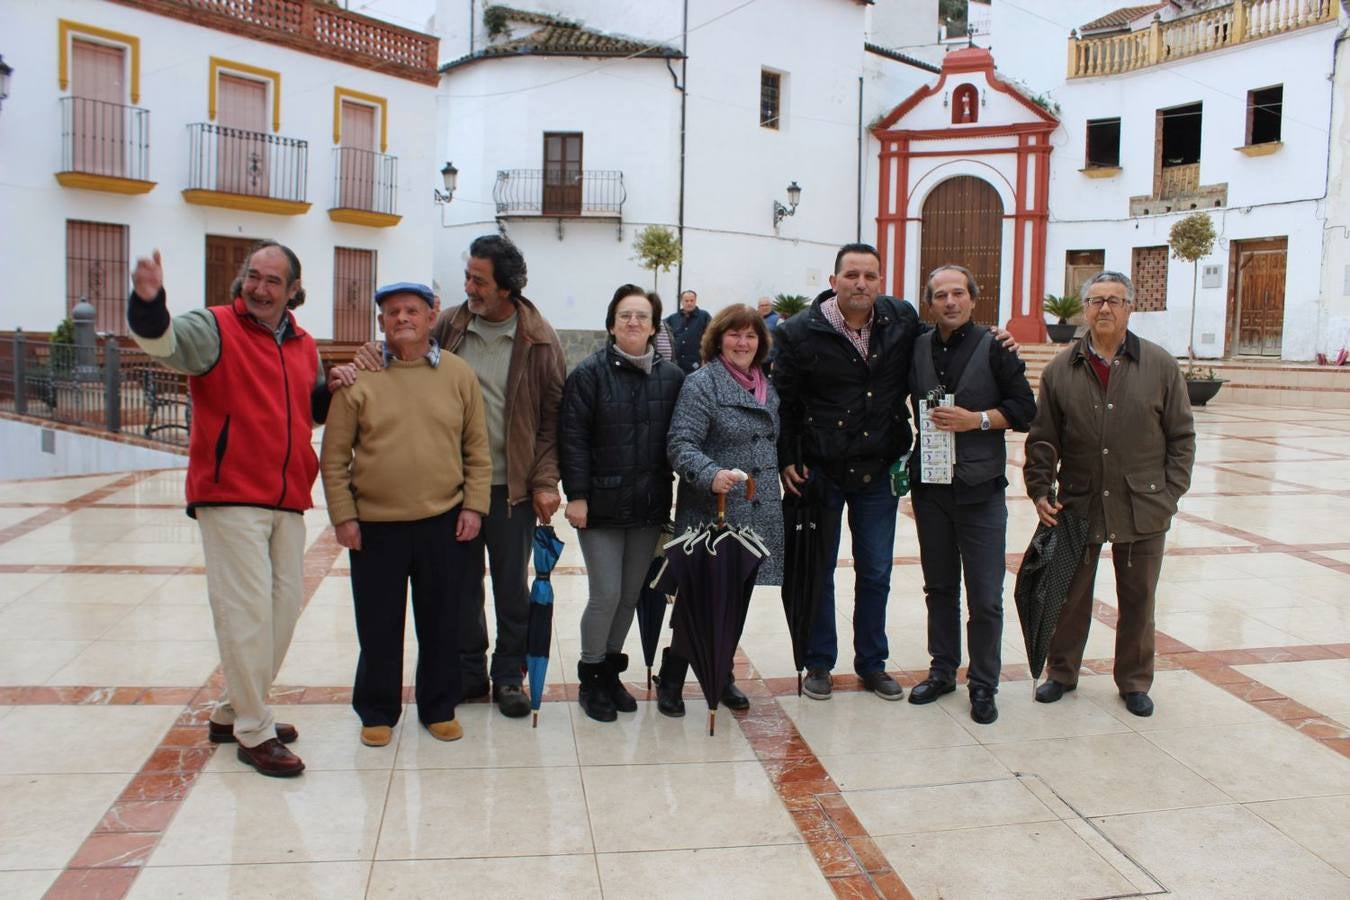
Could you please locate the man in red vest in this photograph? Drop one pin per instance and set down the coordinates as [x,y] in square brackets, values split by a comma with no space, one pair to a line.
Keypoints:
[257,389]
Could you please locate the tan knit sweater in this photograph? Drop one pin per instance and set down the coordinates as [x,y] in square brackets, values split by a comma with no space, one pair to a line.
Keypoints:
[406,443]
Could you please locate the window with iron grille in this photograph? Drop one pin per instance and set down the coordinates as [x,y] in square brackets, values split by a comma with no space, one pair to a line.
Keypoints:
[353,295]
[1150,279]
[770,98]
[97,271]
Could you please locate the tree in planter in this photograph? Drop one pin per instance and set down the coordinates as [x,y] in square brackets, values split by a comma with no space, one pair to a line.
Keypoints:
[788,305]
[1190,239]
[1064,308]
[658,249]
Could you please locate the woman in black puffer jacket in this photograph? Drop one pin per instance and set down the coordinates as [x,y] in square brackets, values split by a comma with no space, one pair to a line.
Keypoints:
[612,429]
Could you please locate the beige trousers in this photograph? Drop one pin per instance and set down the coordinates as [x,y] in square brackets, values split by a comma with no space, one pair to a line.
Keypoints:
[255,582]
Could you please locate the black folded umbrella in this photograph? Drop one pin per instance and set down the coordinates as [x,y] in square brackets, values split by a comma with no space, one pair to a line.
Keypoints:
[1048,567]
[651,612]
[806,523]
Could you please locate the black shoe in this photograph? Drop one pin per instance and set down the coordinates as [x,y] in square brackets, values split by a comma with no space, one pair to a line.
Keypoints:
[982,708]
[818,685]
[623,701]
[883,685]
[594,695]
[1052,691]
[511,700]
[670,684]
[1138,703]
[930,689]
[733,697]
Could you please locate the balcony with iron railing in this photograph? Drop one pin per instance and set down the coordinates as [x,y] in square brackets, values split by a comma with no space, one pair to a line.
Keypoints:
[1225,26]
[365,188]
[104,146]
[560,193]
[250,170]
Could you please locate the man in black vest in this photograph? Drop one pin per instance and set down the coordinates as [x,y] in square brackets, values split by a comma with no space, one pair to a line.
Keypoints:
[687,325]
[963,525]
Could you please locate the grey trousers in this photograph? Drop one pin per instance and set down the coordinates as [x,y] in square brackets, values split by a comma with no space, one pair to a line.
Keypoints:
[616,560]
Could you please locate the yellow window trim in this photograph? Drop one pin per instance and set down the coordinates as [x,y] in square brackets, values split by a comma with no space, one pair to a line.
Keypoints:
[228,66]
[66,28]
[339,93]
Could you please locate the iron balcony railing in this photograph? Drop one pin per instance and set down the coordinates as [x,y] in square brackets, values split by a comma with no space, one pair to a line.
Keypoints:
[365,180]
[100,138]
[559,191]
[235,161]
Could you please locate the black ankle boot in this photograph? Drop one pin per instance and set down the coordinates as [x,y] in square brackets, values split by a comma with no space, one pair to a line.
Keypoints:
[623,701]
[733,697]
[670,684]
[594,695]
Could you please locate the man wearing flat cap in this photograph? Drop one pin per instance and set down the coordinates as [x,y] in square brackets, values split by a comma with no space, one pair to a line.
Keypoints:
[406,471]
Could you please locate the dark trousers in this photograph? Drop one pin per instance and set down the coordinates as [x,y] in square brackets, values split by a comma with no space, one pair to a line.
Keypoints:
[392,554]
[506,538]
[956,538]
[1138,566]
[871,520]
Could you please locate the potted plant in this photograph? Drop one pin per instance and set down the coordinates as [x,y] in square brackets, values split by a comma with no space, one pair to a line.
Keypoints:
[1191,239]
[1065,308]
[1201,383]
[788,305]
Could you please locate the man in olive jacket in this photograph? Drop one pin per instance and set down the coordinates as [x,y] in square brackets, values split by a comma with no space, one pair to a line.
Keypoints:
[1113,410]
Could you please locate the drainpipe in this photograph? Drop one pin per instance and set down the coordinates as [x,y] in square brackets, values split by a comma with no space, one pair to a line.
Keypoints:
[684,103]
[472,15]
[858,233]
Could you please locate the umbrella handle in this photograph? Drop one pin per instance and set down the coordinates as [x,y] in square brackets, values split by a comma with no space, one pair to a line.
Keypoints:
[750,487]
[722,500]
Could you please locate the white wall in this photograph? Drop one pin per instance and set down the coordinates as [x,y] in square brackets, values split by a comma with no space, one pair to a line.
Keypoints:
[174,88]
[1334,314]
[22,456]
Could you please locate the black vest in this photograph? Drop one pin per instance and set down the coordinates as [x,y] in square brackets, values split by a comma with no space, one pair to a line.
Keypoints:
[980,455]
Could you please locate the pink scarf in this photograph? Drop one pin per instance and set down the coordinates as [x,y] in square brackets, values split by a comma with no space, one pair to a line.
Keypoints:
[753,381]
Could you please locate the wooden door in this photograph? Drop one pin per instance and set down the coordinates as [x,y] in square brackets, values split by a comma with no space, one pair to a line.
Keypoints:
[225,257]
[356,173]
[98,86]
[242,146]
[963,225]
[562,174]
[353,295]
[1259,296]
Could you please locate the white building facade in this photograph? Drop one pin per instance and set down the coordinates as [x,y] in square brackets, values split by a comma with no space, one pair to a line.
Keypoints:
[197,130]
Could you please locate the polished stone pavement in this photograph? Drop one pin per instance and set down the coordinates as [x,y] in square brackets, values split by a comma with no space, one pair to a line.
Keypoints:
[1238,786]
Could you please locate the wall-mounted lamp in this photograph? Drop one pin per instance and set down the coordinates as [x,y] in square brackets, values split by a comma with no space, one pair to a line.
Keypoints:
[780,212]
[946,99]
[450,176]
[5,72]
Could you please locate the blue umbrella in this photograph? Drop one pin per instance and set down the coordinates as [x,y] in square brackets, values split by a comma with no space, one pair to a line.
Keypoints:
[539,635]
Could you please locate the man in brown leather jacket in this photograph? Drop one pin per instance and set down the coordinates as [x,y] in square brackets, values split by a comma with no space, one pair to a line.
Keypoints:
[1114,409]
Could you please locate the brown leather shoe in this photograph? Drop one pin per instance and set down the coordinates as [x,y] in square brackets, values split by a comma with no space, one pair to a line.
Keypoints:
[376,735]
[446,731]
[224,734]
[271,758]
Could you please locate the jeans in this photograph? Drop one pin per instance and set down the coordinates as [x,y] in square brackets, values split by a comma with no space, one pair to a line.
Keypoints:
[956,537]
[871,519]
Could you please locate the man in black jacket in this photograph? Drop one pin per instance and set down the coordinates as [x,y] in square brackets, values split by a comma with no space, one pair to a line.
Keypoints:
[842,373]
[687,325]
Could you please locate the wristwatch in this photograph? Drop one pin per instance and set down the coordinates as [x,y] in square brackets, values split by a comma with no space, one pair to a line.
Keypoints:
[984,421]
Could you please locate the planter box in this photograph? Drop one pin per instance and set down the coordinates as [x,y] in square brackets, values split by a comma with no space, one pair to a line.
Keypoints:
[1061,333]
[1203,391]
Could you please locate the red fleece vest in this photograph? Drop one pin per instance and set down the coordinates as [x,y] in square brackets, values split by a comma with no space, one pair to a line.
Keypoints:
[251,420]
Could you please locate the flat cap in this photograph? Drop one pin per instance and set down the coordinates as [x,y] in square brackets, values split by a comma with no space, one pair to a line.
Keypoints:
[405,287]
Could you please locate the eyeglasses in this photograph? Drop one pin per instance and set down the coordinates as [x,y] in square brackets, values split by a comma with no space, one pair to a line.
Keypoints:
[633,317]
[1099,302]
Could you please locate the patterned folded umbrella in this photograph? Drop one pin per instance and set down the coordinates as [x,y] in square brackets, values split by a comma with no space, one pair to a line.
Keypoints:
[539,631]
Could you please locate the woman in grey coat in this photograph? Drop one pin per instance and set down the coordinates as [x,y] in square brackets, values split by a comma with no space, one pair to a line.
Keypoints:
[726,419]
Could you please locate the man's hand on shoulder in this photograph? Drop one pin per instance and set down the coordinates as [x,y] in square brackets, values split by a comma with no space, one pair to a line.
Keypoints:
[148,278]
[369,357]
[1006,339]
[340,377]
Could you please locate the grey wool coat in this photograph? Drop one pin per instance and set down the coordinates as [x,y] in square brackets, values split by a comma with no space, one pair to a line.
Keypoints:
[718,425]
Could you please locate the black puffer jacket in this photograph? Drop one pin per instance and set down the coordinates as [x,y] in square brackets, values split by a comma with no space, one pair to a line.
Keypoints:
[840,412]
[612,433]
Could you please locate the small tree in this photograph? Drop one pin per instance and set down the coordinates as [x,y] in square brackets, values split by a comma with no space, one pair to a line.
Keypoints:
[658,249]
[1190,239]
[788,305]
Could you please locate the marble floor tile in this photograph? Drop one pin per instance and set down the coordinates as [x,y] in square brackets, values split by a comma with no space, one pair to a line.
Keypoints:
[862,771]
[1028,861]
[683,806]
[460,813]
[330,740]
[1021,718]
[181,622]
[947,807]
[167,663]
[1314,625]
[28,884]
[81,739]
[241,817]
[647,737]
[1318,824]
[491,741]
[518,878]
[57,490]
[1106,774]
[1322,684]
[26,619]
[752,873]
[88,588]
[1224,629]
[1260,761]
[323,663]
[45,818]
[283,881]
[179,590]
[1222,851]
[833,726]
[35,661]
[1181,700]
[327,622]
